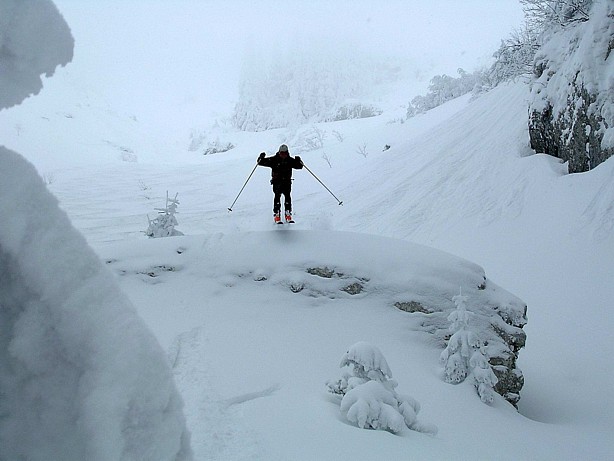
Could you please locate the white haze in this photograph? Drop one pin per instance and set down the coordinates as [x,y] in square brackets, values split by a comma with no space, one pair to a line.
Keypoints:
[176,64]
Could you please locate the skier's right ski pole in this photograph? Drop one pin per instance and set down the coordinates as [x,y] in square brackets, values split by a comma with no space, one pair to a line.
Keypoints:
[340,202]
[246,181]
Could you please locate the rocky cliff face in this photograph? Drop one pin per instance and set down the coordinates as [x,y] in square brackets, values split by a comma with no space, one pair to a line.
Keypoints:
[571,110]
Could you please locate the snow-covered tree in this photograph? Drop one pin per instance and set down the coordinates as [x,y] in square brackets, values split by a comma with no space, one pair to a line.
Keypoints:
[514,58]
[369,397]
[461,345]
[164,224]
[443,88]
[465,353]
[541,14]
[305,84]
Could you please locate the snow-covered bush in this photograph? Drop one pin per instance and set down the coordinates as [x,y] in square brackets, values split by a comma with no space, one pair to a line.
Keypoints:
[541,14]
[198,142]
[443,88]
[217,146]
[353,110]
[465,354]
[309,139]
[164,224]
[307,84]
[362,150]
[369,397]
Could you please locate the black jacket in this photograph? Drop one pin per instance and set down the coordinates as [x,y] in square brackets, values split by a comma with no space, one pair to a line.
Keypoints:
[281,168]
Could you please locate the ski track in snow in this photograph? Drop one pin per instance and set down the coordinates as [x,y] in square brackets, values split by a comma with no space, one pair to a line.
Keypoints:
[217,429]
[239,399]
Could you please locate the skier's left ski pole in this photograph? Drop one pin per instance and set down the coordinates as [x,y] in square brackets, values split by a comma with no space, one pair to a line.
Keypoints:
[331,193]
[246,181]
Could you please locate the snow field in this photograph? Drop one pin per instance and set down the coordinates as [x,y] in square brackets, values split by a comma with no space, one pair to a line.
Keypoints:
[530,225]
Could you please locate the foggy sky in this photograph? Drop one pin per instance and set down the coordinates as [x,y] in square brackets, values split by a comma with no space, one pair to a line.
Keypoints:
[157,58]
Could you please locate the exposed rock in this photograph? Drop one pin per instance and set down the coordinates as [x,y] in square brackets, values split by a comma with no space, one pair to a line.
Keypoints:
[575,135]
[412,306]
[296,287]
[353,288]
[571,109]
[321,272]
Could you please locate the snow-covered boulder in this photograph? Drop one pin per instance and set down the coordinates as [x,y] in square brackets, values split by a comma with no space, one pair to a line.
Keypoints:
[572,97]
[81,376]
[344,267]
[34,39]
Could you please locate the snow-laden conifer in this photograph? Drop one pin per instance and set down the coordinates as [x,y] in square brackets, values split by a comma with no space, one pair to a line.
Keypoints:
[369,397]
[164,224]
[465,353]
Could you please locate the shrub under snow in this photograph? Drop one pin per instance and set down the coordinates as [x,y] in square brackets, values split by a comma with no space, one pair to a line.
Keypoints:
[164,224]
[369,397]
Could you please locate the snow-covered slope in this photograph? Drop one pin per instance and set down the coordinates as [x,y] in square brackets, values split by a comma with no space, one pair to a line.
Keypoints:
[69,123]
[256,323]
[459,178]
[251,334]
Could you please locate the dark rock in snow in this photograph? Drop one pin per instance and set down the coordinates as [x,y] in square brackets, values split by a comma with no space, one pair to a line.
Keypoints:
[571,109]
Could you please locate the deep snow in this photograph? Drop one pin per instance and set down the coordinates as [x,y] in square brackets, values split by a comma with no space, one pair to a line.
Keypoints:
[81,375]
[459,178]
[250,357]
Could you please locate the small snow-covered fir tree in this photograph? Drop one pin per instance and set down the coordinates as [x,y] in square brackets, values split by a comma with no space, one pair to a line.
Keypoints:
[369,396]
[465,353]
[164,224]
[485,379]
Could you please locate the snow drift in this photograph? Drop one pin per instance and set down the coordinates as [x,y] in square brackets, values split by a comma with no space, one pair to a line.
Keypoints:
[81,377]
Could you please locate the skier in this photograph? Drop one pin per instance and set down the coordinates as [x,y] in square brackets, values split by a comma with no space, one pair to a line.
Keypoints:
[281,165]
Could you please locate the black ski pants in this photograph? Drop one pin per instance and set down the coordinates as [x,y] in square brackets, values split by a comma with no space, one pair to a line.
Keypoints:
[280,189]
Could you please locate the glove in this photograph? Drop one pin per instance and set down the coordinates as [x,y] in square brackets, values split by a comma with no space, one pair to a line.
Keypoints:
[262,155]
[299,159]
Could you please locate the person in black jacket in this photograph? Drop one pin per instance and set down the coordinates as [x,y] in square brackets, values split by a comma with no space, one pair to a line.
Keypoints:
[281,165]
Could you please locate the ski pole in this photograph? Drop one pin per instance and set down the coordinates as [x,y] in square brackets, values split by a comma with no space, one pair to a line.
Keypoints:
[307,168]
[246,181]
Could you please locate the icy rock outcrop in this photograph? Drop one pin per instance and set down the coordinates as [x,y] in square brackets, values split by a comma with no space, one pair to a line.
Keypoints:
[571,111]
